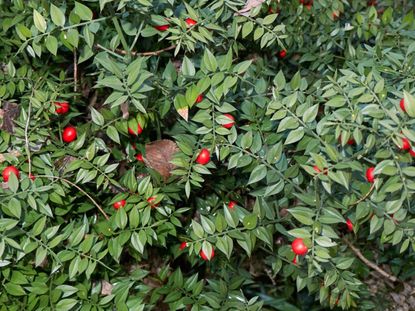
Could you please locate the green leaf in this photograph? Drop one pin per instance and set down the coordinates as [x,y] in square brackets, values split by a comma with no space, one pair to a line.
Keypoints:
[113,134]
[15,208]
[209,61]
[83,11]
[188,69]
[39,21]
[303,214]
[14,289]
[207,224]
[138,241]
[294,136]
[409,102]
[197,229]
[225,245]
[97,117]
[66,304]
[13,183]
[250,221]
[58,17]
[257,174]
[310,114]
[52,44]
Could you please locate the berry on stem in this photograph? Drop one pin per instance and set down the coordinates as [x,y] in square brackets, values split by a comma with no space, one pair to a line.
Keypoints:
[162,27]
[151,200]
[204,157]
[406,145]
[61,107]
[370,176]
[119,204]
[137,132]
[282,53]
[231,204]
[230,124]
[204,257]
[139,157]
[349,225]
[298,247]
[69,134]
[183,245]
[10,170]
[190,22]
[402,104]
[199,98]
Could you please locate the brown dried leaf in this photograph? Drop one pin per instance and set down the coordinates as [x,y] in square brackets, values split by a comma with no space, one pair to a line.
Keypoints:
[13,153]
[106,288]
[10,112]
[159,154]
[124,109]
[184,113]
[249,5]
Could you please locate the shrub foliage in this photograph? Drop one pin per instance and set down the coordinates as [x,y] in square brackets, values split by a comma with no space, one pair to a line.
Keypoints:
[162,201]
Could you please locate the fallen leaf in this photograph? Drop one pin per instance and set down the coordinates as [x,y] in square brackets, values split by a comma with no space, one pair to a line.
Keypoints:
[124,109]
[12,153]
[158,156]
[10,112]
[184,113]
[249,5]
[106,288]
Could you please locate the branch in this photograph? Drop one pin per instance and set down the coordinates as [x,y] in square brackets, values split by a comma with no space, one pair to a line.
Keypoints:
[26,135]
[75,70]
[80,189]
[365,196]
[369,263]
[135,53]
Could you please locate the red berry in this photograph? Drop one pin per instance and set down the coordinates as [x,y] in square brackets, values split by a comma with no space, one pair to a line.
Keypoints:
[295,260]
[282,53]
[62,107]
[69,134]
[402,104]
[203,157]
[231,204]
[350,141]
[335,14]
[119,204]
[162,27]
[229,125]
[406,145]
[139,157]
[298,247]
[199,98]
[204,257]
[183,245]
[10,170]
[135,133]
[349,225]
[190,22]
[370,176]
[315,167]
[32,177]
[151,200]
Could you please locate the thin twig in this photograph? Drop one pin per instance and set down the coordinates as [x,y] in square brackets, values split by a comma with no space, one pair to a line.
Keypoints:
[75,70]
[135,53]
[26,136]
[80,189]
[365,196]
[369,263]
